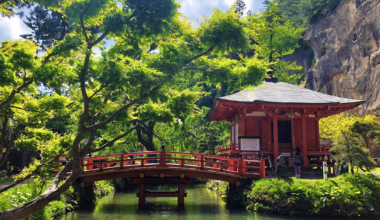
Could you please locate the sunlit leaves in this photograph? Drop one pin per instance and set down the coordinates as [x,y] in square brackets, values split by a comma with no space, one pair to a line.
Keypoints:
[151,17]
[332,127]
[223,30]
[182,104]
[16,59]
[275,37]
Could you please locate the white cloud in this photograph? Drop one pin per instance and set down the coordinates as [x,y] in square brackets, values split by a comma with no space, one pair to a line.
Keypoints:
[12,28]
[194,9]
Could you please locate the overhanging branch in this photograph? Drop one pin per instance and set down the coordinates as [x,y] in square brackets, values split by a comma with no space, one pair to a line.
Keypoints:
[199,55]
[120,110]
[116,139]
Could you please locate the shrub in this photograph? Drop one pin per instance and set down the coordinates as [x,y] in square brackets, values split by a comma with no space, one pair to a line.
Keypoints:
[346,195]
[17,196]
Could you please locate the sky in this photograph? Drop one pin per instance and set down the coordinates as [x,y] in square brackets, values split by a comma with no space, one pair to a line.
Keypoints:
[12,28]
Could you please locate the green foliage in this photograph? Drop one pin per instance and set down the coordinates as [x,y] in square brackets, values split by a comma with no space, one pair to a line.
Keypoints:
[306,12]
[17,196]
[349,149]
[48,27]
[332,127]
[275,37]
[368,131]
[346,195]
[104,187]
[224,31]
[194,134]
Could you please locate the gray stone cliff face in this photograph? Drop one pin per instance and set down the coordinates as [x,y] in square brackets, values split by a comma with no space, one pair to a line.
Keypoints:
[346,44]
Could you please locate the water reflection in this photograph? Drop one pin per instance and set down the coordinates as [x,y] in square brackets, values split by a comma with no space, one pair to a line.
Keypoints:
[200,204]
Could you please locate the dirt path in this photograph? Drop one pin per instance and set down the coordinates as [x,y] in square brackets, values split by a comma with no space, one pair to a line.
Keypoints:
[9,183]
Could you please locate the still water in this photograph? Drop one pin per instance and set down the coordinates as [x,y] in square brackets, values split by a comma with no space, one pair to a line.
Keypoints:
[200,204]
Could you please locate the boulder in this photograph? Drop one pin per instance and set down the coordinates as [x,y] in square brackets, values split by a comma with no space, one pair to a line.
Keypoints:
[281,168]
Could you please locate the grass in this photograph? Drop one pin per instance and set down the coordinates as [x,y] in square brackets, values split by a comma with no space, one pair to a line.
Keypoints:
[345,195]
[376,170]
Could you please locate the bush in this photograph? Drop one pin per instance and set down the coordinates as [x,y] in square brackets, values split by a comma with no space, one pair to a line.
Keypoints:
[17,196]
[346,195]
[104,187]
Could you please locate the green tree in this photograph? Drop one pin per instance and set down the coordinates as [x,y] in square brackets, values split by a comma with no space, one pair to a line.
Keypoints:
[306,12]
[24,112]
[47,27]
[155,48]
[350,149]
[275,37]
[368,131]
[331,127]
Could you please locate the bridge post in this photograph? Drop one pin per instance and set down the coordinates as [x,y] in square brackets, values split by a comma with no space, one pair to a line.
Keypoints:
[163,157]
[201,162]
[181,194]
[82,164]
[142,197]
[198,158]
[262,168]
[122,161]
[240,169]
[90,161]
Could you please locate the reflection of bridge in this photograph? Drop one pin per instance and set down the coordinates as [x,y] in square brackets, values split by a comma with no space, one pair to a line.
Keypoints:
[161,167]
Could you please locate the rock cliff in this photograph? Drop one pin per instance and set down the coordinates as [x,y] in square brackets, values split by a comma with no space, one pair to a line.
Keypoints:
[346,44]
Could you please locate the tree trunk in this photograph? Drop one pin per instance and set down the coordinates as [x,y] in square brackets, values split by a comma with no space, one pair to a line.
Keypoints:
[148,132]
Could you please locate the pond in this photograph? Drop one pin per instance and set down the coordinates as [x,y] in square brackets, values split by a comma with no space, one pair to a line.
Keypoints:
[200,204]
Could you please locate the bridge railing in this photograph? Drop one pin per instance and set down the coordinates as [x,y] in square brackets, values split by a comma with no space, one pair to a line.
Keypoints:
[242,167]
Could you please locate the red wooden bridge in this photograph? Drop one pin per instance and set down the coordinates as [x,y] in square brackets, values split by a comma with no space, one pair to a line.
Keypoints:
[162,167]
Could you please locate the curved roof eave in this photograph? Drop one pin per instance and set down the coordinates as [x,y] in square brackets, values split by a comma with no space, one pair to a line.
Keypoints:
[359,102]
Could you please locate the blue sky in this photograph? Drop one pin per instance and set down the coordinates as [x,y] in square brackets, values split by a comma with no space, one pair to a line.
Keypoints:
[193,9]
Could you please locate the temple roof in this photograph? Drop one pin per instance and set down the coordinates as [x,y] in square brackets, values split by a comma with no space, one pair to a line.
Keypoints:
[282,95]
[279,92]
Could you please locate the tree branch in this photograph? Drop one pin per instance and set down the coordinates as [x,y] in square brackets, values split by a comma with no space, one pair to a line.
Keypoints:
[14,92]
[199,69]
[116,139]
[97,91]
[120,110]
[84,30]
[99,39]
[11,106]
[84,92]
[199,55]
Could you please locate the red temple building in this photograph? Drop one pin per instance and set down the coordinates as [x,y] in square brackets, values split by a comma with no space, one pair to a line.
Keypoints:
[275,118]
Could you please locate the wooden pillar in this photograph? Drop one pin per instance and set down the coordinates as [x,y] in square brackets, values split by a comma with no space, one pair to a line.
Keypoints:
[240,167]
[82,164]
[181,194]
[163,157]
[275,137]
[242,131]
[90,167]
[142,197]
[198,158]
[304,140]
[317,129]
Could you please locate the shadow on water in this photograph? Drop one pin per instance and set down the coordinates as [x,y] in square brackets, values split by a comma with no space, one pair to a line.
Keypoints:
[200,204]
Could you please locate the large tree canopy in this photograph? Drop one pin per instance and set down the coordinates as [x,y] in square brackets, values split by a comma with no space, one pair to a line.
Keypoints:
[139,78]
